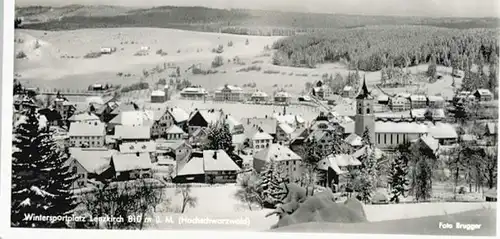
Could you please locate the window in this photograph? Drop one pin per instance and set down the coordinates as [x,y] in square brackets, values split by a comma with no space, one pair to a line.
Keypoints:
[378,138]
[359,110]
[75,169]
[385,138]
[391,139]
[368,110]
[397,138]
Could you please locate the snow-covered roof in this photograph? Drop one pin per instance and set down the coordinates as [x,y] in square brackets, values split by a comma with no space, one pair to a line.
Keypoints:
[136,118]
[283,94]
[354,140]
[179,114]
[400,127]
[86,116]
[483,92]
[94,100]
[193,167]
[132,132]
[267,125]
[347,88]
[435,98]
[366,150]
[230,87]
[89,128]
[431,142]
[194,90]
[93,160]
[418,98]
[158,93]
[399,100]
[286,128]
[491,128]
[134,147]
[336,161]
[259,94]
[262,136]
[442,131]
[289,119]
[210,116]
[170,144]
[383,97]
[218,160]
[276,152]
[174,129]
[129,162]
[123,107]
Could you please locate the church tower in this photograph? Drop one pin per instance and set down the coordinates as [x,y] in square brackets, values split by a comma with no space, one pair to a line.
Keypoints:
[365,119]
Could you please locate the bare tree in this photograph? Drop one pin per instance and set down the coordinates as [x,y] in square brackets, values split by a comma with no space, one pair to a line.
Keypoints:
[187,198]
[130,203]
[249,191]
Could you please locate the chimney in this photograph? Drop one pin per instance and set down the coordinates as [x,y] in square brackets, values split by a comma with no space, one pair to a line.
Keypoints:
[215,155]
[137,154]
[266,116]
[248,121]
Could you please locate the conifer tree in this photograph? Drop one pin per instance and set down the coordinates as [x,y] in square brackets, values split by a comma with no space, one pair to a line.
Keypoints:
[269,183]
[219,137]
[366,137]
[40,180]
[366,181]
[398,177]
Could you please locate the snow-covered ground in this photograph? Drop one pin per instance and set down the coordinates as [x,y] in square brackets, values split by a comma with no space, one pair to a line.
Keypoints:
[218,202]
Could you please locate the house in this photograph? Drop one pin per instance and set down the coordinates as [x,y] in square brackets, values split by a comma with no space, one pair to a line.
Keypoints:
[87,134]
[282,97]
[158,121]
[399,104]
[94,100]
[259,97]
[194,93]
[348,92]
[259,141]
[158,96]
[333,167]
[322,90]
[491,129]
[128,133]
[84,117]
[383,99]
[213,166]
[104,112]
[491,195]
[198,137]
[108,50]
[235,126]
[229,93]
[430,143]
[418,101]
[284,133]
[285,158]
[138,147]
[64,108]
[90,163]
[483,95]
[131,166]
[203,119]
[445,133]
[435,101]
[175,133]
[354,140]
[179,116]
[266,124]
[179,150]
[295,121]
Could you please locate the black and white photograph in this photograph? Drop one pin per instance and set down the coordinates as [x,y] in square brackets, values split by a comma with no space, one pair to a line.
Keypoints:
[359,117]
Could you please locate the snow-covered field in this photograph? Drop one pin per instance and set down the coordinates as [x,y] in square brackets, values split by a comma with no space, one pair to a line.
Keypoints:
[218,202]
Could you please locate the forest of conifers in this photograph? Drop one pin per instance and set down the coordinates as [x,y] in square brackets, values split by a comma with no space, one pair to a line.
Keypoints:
[374,47]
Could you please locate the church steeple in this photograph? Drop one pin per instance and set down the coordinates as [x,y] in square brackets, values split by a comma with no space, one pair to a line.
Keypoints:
[364,93]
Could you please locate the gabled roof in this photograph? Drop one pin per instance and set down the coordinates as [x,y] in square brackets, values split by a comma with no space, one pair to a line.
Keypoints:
[211,116]
[93,160]
[123,107]
[354,140]
[134,147]
[418,98]
[491,128]
[286,128]
[218,160]
[283,94]
[431,142]
[193,167]
[276,152]
[259,94]
[170,144]
[174,129]
[336,161]
[400,127]
[87,116]
[158,93]
[262,136]
[178,114]
[132,132]
[90,128]
[95,100]
[268,125]
[483,92]
[366,150]
[289,119]
[194,90]
[129,162]
[232,122]
[230,87]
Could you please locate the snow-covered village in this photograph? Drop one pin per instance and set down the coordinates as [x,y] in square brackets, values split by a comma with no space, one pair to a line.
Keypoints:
[393,134]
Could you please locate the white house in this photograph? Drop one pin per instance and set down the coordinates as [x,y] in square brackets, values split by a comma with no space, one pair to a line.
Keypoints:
[287,160]
[87,134]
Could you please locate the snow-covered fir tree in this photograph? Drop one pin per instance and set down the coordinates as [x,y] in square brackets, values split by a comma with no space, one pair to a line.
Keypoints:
[219,137]
[398,180]
[40,184]
[366,181]
[270,179]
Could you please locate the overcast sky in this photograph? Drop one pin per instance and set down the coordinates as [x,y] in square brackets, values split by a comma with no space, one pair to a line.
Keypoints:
[433,8]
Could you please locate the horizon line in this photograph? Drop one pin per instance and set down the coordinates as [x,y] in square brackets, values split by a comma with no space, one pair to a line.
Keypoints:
[250,9]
